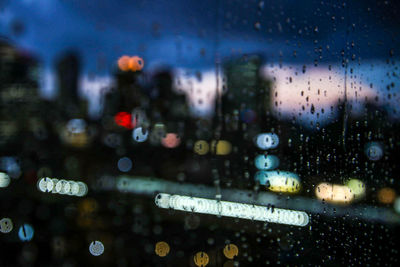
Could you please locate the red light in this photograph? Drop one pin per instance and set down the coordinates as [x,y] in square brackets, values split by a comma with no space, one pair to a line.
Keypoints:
[124,119]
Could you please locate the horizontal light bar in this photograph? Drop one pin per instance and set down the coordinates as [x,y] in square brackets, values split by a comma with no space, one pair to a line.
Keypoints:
[64,187]
[232,209]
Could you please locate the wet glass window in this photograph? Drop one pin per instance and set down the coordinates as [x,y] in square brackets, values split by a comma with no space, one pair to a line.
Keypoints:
[199,133]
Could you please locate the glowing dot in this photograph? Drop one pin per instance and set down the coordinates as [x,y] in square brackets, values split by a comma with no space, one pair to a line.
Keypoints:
[171,140]
[266,162]
[267,141]
[162,249]
[374,151]
[201,147]
[334,193]
[279,181]
[125,164]
[42,184]
[83,189]
[96,248]
[4,179]
[139,135]
[26,232]
[201,259]
[76,126]
[136,63]
[230,251]
[6,225]
[123,63]
[357,187]
[50,185]
[124,119]
[62,186]
[386,195]
[221,147]
[75,188]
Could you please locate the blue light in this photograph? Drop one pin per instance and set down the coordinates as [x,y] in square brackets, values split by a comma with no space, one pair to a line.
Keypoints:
[266,162]
[26,232]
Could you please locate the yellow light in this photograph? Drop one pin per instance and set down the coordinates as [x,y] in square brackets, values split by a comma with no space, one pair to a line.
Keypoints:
[279,181]
[357,187]
[221,147]
[201,259]
[201,147]
[230,251]
[162,249]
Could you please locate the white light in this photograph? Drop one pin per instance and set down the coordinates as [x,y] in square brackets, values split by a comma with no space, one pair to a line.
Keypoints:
[267,141]
[232,209]
[63,187]
[4,179]
[139,135]
[6,225]
[96,248]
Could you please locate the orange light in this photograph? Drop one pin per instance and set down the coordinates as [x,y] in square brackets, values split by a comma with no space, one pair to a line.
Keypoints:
[386,195]
[136,63]
[123,63]
[126,63]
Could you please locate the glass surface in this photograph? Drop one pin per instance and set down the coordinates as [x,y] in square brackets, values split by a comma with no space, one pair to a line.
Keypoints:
[199,133]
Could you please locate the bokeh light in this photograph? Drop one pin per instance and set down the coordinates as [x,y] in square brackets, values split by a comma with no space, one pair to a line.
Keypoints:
[162,248]
[201,147]
[96,248]
[6,225]
[125,164]
[267,141]
[386,195]
[25,232]
[140,135]
[279,181]
[124,119]
[171,140]
[334,193]
[357,187]
[221,147]
[266,162]
[230,251]
[201,259]
[374,151]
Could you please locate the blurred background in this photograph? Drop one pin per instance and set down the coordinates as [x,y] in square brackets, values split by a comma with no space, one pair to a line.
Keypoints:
[292,107]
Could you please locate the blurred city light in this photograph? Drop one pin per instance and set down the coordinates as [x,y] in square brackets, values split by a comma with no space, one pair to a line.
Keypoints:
[279,181]
[267,141]
[266,162]
[6,225]
[386,195]
[334,193]
[63,187]
[231,209]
